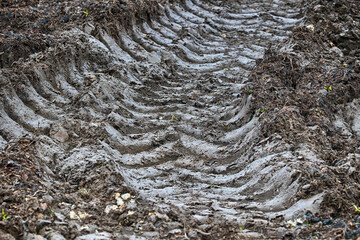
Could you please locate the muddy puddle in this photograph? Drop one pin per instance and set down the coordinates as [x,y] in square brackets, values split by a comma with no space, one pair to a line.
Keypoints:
[160,107]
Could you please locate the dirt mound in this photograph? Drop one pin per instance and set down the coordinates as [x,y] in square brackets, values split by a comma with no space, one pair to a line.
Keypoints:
[165,120]
[310,88]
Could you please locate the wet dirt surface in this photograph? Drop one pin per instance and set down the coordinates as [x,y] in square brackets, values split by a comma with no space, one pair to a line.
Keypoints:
[150,120]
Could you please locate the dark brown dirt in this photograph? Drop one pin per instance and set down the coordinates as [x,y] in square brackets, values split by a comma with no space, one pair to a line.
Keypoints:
[298,96]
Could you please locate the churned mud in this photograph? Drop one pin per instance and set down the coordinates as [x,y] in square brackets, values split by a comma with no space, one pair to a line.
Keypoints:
[179,119]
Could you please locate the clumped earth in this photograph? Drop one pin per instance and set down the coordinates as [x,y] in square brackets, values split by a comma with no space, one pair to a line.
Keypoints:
[83,179]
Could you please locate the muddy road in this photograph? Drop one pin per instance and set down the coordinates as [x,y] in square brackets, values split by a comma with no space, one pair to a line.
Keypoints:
[160,106]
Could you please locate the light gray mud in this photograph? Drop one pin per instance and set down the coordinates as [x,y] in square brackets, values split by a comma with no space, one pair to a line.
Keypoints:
[159,107]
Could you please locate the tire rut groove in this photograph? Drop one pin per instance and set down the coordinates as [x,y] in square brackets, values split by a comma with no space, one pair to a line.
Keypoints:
[165,100]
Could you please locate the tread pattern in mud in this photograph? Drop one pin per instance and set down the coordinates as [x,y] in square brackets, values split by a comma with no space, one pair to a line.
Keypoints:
[163,102]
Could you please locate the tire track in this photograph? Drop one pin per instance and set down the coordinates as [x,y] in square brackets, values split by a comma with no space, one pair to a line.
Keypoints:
[163,102]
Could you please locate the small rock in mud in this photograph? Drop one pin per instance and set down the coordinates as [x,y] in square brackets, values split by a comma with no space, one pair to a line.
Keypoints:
[73,215]
[110,208]
[56,236]
[33,237]
[126,196]
[327,222]
[61,135]
[251,235]
[175,231]
[120,202]
[95,236]
[48,199]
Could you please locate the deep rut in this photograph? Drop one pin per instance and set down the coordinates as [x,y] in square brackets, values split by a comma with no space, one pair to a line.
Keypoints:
[164,102]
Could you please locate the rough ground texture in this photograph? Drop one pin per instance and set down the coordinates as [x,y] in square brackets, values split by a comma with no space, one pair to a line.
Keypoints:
[179,119]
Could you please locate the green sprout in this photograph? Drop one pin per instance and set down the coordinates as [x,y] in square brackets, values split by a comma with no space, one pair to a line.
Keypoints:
[249,91]
[4,215]
[86,13]
[84,191]
[173,118]
[328,89]
[263,110]
[357,209]
[241,228]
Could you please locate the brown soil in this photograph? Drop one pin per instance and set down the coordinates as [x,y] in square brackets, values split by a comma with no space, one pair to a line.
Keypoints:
[300,90]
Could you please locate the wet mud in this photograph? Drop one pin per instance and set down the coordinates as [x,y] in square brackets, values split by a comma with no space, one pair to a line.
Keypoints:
[165,120]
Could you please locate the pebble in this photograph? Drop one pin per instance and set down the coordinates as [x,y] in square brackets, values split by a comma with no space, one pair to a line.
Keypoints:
[30,236]
[318,8]
[95,236]
[340,224]
[73,215]
[126,196]
[251,235]
[42,223]
[59,216]
[48,199]
[327,222]
[120,202]
[56,236]
[61,136]
[175,231]
[110,208]
[315,220]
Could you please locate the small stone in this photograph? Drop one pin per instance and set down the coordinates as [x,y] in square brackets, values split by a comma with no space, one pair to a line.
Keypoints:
[315,220]
[89,28]
[130,213]
[306,187]
[318,8]
[61,136]
[323,176]
[95,236]
[117,196]
[193,235]
[175,231]
[110,208]
[73,215]
[48,199]
[251,235]
[42,223]
[340,224]
[56,236]
[310,27]
[82,215]
[126,196]
[59,216]
[33,237]
[120,202]
[337,51]
[43,206]
[358,219]
[327,222]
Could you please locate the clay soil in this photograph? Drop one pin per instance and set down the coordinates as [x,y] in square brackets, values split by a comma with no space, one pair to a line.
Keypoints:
[298,91]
